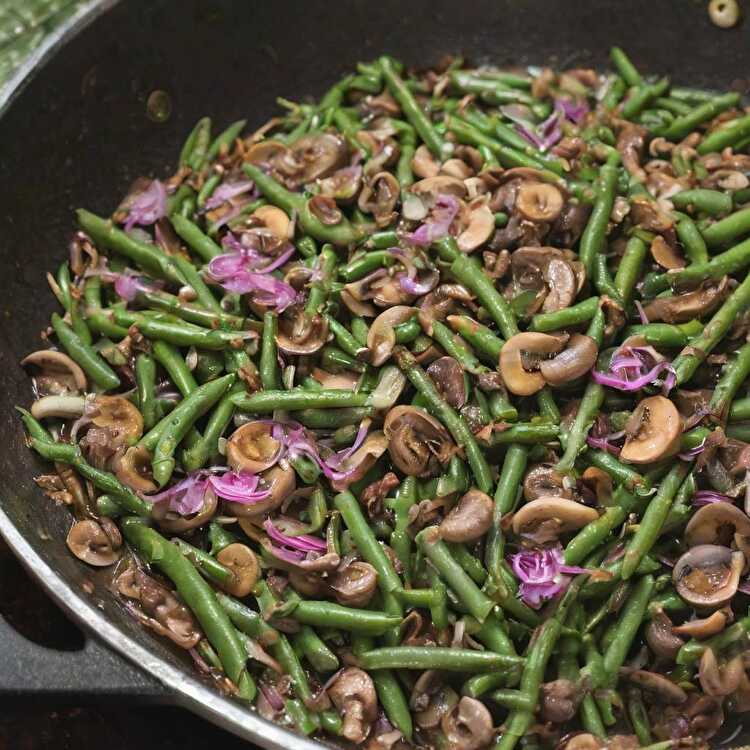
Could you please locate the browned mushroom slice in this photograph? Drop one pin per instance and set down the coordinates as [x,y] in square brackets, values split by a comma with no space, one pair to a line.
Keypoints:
[469,519]
[90,542]
[243,563]
[707,576]
[653,430]
[280,480]
[544,480]
[578,357]
[716,523]
[457,168]
[630,141]
[539,201]
[274,219]
[417,443]
[252,447]
[552,517]
[559,699]
[468,725]
[353,694]
[325,210]
[346,380]
[424,164]
[661,637]
[664,254]
[520,358]
[658,686]
[719,680]
[355,585]
[439,303]
[343,185]
[562,283]
[310,585]
[682,308]
[133,469]
[646,213]
[580,741]
[381,338]
[704,627]
[600,483]
[58,373]
[379,197]
[431,699]
[479,226]
[429,188]
[300,333]
[313,156]
[361,461]
[174,523]
[266,152]
[120,417]
[448,376]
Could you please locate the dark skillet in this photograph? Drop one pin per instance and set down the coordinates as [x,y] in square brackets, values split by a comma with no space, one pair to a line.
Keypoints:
[77,134]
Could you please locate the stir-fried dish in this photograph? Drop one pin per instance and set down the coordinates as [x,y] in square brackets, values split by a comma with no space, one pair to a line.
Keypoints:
[418,417]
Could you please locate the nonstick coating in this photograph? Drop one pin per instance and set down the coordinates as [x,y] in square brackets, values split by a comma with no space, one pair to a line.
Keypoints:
[78,134]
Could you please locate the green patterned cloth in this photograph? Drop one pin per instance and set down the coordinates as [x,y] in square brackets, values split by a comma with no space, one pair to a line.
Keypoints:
[23,26]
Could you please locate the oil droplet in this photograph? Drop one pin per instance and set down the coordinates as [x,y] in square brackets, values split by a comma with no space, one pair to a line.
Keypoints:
[159,106]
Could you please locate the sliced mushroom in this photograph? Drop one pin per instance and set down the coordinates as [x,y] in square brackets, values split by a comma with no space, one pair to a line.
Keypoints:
[600,483]
[300,333]
[353,694]
[448,376]
[120,417]
[562,283]
[177,524]
[440,303]
[58,372]
[417,443]
[265,152]
[469,519]
[661,637]
[343,185]
[313,156]
[716,523]
[520,360]
[575,360]
[431,699]
[539,201]
[664,254]
[354,467]
[429,188]
[252,447]
[281,480]
[62,407]
[325,210]
[704,627]
[133,469]
[468,725]
[95,545]
[719,680]
[552,517]
[379,197]
[355,585]
[654,430]
[424,164]
[707,576]
[559,700]
[479,227]
[544,480]
[381,338]
[580,741]
[682,308]
[274,219]
[243,563]
[659,687]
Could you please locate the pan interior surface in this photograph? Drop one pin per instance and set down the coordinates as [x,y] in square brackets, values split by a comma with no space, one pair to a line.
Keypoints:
[79,133]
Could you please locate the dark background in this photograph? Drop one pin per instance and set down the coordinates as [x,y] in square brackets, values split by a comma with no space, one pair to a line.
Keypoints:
[43,725]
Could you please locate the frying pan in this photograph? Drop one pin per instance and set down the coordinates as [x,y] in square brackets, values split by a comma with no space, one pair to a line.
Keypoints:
[75,132]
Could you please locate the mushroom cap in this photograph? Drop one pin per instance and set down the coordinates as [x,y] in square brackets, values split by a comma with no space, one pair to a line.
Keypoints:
[355,585]
[654,430]
[273,218]
[429,188]
[120,416]
[575,360]
[519,361]
[58,367]
[543,480]
[353,694]
[664,254]
[703,627]
[707,575]
[416,440]
[315,155]
[448,376]
[469,519]
[716,523]
[355,466]
[252,447]
[681,308]
[657,685]
[539,201]
[423,163]
[89,542]
[661,637]
[562,282]
[468,725]
[559,515]
[177,524]
[243,563]
[381,338]
[133,469]
[299,333]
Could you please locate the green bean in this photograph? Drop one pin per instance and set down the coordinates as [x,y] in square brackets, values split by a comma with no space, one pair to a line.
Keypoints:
[194,313]
[614,94]
[628,72]
[683,125]
[445,413]
[735,373]
[318,655]
[269,366]
[296,399]
[526,433]
[641,96]
[145,378]
[726,134]
[728,229]
[179,373]
[630,267]
[711,202]
[591,402]
[85,355]
[320,614]
[455,347]
[666,335]
[225,139]
[201,244]
[692,240]
[437,657]
[324,268]
[569,316]
[594,237]
[407,332]
[197,594]
[699,347]
[692,651]
[484,341]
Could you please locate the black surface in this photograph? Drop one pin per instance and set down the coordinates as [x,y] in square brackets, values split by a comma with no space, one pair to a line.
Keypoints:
[78,134]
